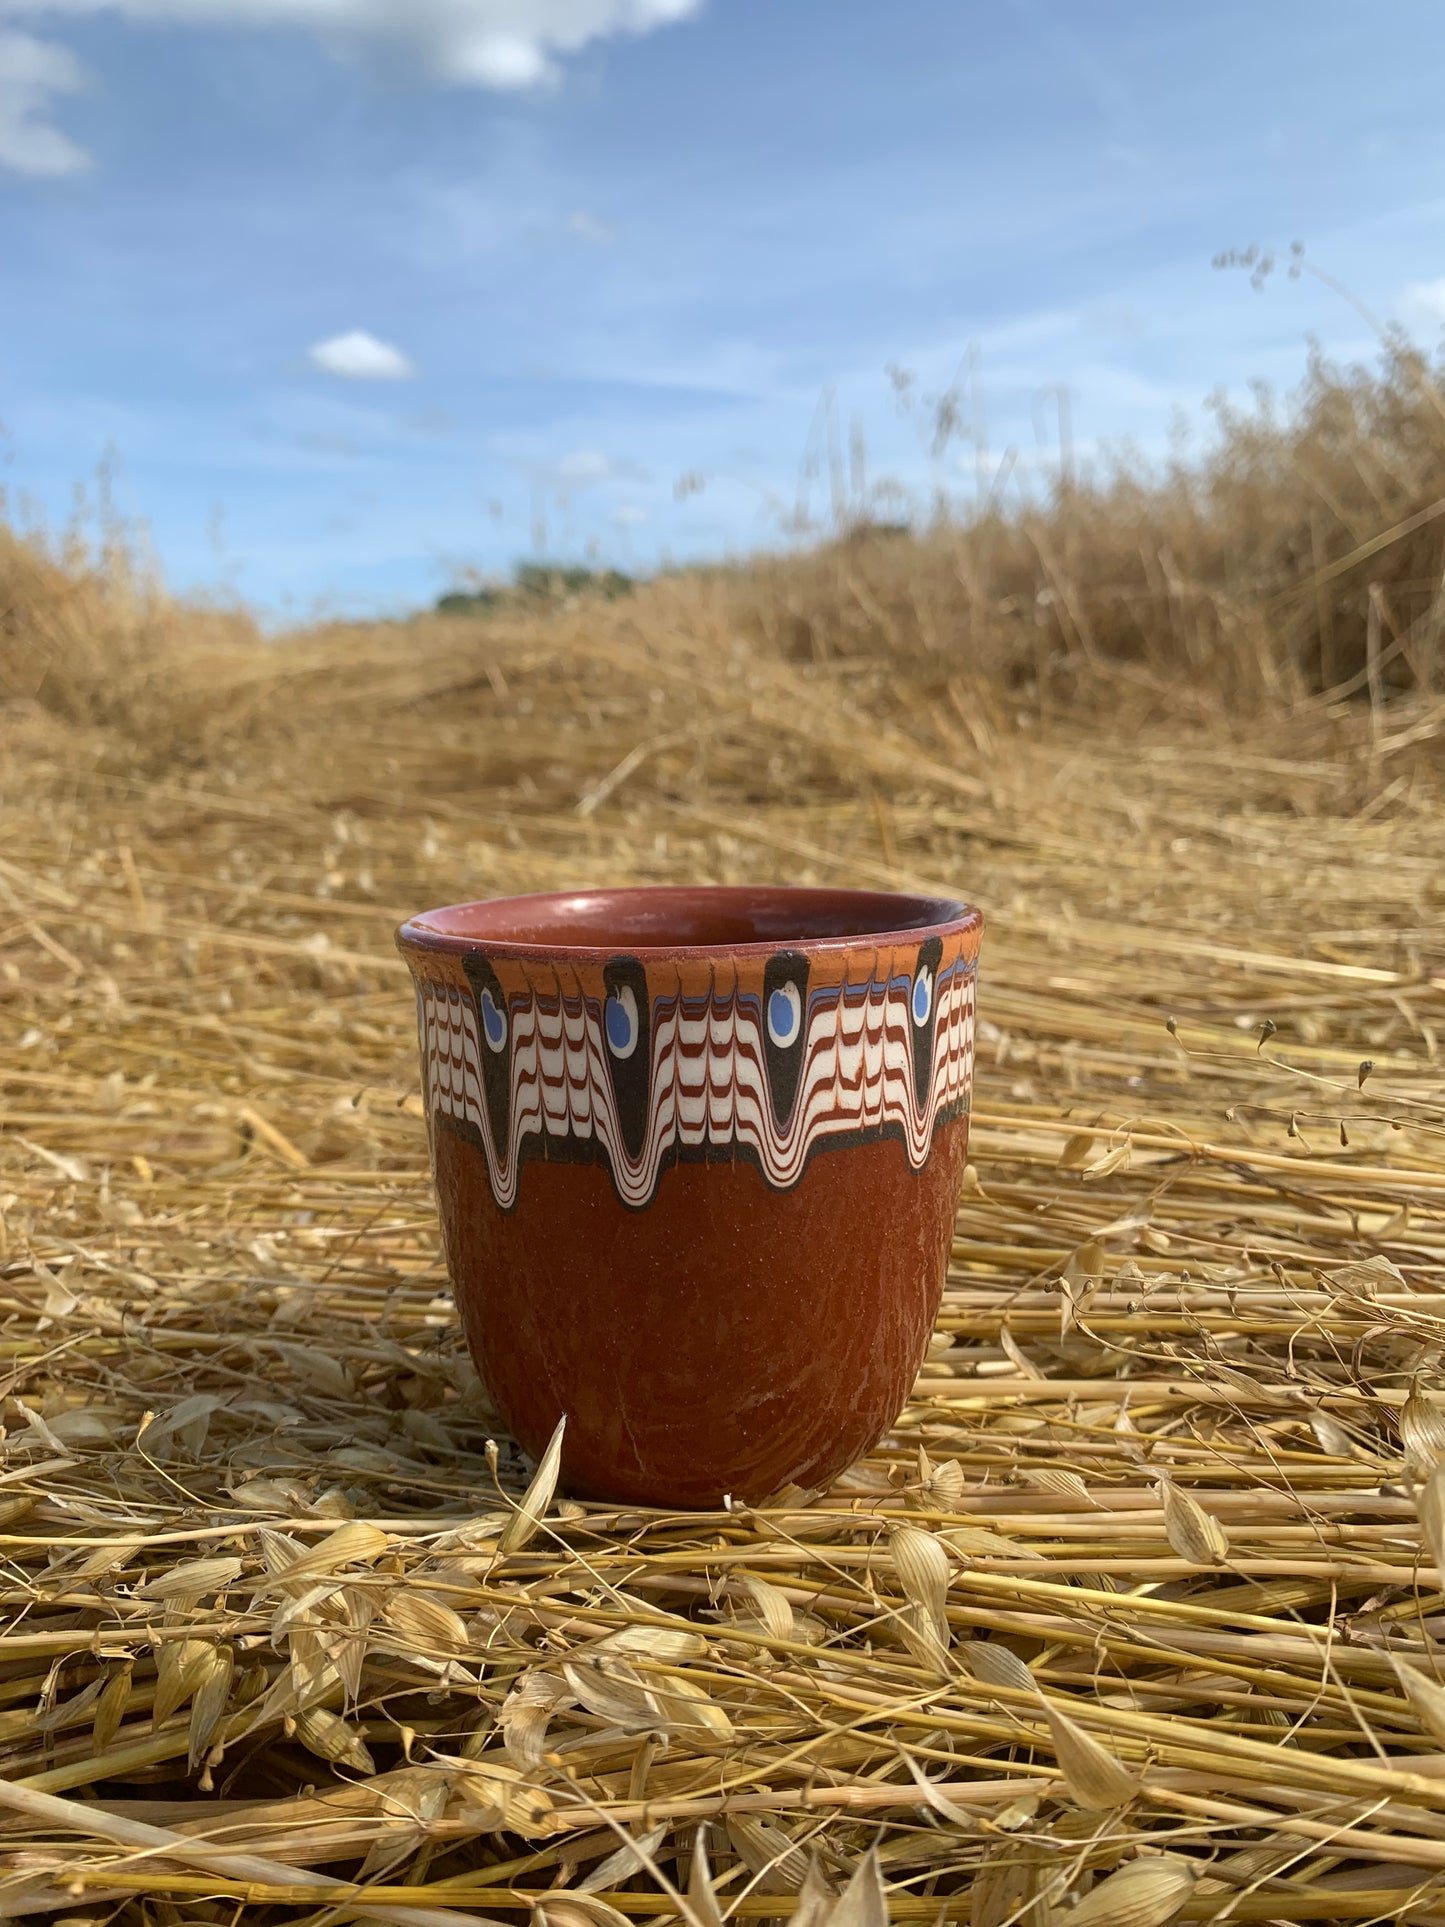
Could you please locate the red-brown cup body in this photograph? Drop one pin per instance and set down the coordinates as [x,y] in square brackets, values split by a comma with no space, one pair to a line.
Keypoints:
[697,1154]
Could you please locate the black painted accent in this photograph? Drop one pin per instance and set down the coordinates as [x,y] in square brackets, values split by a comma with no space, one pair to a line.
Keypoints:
[785,1064]
[496,1064]
[930,954]
[590,1151]
[568,1149]
[632,1075]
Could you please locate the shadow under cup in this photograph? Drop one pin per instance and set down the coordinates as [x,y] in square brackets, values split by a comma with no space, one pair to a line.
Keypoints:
[697,1153]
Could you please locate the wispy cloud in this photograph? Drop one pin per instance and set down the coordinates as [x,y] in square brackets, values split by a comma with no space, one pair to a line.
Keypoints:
[475,43]
[359,356]
[33,74]
[1425,302]
[583,226]
[584,466]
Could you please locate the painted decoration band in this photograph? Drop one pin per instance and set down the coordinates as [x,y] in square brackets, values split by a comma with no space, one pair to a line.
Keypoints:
[640,1065]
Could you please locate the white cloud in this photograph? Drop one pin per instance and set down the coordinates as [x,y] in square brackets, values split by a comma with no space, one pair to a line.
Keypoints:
[583,226]
[32,73]
[1425,301]
[627,515]
[476,43]
[358,356]
[583,467]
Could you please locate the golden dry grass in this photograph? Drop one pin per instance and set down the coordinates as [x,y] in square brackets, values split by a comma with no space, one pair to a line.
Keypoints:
[1299,550]
[1136,1613]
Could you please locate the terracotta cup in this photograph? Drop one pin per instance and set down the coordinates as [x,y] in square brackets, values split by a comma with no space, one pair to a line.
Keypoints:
[697,1153]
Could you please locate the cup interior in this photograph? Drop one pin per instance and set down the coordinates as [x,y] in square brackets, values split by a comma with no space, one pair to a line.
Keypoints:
[701,918]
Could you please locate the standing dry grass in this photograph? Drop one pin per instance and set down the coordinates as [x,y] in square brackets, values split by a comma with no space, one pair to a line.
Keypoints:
[1301,552]
[1134,1616]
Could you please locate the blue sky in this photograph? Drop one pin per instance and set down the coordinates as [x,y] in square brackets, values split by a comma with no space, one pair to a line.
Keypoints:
[359,295]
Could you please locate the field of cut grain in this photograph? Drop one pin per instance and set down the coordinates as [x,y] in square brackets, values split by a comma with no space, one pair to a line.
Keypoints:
[1136,1615]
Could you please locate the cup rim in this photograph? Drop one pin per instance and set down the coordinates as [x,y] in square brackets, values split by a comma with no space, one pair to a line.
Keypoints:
[886,917]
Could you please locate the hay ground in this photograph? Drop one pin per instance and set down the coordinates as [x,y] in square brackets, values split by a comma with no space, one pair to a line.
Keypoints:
[1137,1610]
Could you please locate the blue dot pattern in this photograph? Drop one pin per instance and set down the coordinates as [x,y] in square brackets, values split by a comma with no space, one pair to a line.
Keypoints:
[922,996]
[782,1018]
[619,1024]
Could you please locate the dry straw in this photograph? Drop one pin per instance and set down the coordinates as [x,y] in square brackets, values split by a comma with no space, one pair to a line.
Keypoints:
[1137,1614]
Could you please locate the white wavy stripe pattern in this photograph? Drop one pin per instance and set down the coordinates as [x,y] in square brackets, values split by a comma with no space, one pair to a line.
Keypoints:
[708,1082]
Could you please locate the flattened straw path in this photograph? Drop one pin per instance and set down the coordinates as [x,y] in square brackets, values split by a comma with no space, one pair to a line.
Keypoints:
[1176,1438]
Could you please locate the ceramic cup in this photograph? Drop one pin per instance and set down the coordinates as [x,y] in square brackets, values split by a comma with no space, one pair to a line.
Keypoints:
[697,1153]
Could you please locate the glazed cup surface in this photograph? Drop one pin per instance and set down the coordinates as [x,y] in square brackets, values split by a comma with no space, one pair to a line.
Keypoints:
[697,1153]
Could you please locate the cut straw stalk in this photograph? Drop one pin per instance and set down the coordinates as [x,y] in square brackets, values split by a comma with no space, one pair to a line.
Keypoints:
[1394,1902]
[69,1816]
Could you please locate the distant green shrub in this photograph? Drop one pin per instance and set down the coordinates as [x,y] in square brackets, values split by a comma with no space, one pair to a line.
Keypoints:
[537,582]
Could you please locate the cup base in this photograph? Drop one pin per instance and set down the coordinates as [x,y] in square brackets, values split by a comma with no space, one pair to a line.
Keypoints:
[727,1341]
